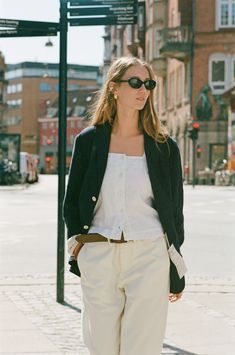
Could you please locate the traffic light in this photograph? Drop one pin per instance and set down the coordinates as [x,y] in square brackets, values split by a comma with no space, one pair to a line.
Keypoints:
[48,159]
[193,131]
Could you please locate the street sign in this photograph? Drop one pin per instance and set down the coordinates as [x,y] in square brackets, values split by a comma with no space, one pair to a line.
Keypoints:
[99,2]
[102,21]
[108,10]
[31,25]
[26,33]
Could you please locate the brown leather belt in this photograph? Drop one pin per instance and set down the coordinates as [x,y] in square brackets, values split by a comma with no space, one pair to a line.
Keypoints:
[95,237]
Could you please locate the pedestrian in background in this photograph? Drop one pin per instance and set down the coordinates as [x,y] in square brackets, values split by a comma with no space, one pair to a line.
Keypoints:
[124,196]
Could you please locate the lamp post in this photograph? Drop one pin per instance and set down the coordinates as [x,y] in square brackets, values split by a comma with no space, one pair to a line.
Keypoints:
[62,148]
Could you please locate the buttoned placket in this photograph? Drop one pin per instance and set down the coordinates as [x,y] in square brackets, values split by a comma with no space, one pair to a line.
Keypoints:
[121,194]
[122,181]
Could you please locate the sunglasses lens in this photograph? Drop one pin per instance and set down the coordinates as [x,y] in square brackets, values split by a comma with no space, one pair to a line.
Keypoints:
[150,84]
[135,83]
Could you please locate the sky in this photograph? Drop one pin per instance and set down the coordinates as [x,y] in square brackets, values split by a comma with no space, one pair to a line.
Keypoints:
[85,44]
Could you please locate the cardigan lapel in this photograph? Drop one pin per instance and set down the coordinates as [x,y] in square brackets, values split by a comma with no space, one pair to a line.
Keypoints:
[102,141]
[156,168]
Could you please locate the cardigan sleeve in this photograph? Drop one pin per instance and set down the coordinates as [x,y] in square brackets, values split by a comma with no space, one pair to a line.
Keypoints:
[177,191]
[75,178]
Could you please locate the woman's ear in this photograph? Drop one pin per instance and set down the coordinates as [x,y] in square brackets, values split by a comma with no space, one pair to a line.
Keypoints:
[112,87]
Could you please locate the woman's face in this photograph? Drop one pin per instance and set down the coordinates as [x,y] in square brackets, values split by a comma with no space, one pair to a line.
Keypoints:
[127,96]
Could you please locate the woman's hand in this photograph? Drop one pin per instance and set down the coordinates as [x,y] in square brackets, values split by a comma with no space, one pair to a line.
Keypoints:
[77,249]
[173,297]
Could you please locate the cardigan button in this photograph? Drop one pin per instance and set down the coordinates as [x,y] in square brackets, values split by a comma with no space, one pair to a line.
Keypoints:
[85,227]
[93,198]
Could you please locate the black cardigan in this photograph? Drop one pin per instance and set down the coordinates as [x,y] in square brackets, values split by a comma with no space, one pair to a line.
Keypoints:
[86,174]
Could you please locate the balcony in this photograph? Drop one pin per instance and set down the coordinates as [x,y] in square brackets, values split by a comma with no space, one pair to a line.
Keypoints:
[176,42]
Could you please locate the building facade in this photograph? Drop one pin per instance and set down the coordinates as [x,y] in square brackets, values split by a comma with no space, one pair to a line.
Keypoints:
[78,117]
[190,46]
[32,88]
[3,87]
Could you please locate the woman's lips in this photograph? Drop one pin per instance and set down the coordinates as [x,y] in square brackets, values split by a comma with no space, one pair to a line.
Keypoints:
[140,99]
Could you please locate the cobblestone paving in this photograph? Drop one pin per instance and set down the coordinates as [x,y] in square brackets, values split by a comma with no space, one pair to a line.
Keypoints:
[35,296]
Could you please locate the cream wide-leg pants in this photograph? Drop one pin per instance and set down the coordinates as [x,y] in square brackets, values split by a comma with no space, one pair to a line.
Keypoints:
[125,289]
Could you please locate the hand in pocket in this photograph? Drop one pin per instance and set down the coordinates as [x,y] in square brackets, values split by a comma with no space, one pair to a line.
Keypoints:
[77,249]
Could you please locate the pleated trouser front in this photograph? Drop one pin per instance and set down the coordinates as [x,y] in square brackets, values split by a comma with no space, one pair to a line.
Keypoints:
[125,289]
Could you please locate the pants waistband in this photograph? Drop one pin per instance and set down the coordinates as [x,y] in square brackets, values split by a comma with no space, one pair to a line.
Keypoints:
[95,237]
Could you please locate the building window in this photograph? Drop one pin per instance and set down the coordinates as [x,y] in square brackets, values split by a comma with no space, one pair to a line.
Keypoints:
[14,103]
[19,87]
[44,125]
[163,94]
[12,89]
[226,13]
[233,69]
[218,71]
[45,87]
[217,75]
[221,72]
[171,89]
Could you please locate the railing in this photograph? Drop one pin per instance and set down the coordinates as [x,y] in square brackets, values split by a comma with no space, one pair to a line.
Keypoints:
[177,35]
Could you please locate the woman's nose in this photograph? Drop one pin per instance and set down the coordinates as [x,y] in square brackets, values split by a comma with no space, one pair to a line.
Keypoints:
[143,88]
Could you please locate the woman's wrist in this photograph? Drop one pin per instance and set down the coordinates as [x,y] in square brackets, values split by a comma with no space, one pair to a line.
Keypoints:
[71,244]
[77,249]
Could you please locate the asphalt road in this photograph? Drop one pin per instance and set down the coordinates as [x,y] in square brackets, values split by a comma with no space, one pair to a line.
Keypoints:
[28,229]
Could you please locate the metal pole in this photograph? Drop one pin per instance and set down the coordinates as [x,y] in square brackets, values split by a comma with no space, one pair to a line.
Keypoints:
[62,148]
[194,162]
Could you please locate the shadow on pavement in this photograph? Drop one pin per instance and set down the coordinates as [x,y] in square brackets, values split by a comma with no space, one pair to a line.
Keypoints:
[66,304]
[169,349]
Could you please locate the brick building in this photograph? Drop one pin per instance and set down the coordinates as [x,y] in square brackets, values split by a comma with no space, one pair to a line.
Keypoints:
[191,48]
[32,88]
[78,103]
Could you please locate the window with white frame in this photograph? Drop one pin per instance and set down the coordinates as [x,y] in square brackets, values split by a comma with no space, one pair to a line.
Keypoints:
[221,72]
[19,87]
[233,69]
[225,13]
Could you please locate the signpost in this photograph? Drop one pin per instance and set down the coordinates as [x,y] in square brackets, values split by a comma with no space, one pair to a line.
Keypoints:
[25,33]
[109,12]
[20,28]
[82,13]
[109,20]
[99,2]
[113,10]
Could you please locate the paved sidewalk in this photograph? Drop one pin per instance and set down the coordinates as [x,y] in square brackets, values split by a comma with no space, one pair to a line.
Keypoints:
[32,322]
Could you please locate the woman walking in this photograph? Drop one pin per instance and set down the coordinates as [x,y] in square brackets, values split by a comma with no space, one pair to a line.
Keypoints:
[124,196]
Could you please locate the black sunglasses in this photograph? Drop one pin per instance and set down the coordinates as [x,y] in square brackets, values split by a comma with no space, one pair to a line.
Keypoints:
[136,83]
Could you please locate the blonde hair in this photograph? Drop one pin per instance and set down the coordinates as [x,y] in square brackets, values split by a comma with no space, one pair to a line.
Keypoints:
[104,107]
